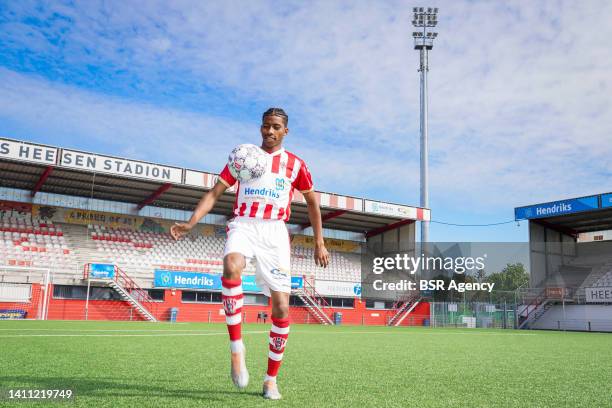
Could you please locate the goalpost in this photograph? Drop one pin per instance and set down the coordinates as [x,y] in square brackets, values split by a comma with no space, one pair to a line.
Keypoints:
[24,292]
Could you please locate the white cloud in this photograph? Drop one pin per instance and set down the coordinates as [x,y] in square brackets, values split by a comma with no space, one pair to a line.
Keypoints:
[73,118]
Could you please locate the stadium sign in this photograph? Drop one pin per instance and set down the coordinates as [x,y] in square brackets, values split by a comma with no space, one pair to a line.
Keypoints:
[200,179]
[249,285]
[396,210]
[210,281]
[101,271]
[120,167]
[336,288]
[9,314]
[14,150]
[297,282]
[601,294]
[188,280]
[556,208]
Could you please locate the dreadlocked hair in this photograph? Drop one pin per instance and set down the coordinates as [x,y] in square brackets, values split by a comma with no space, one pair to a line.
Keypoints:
[276,112]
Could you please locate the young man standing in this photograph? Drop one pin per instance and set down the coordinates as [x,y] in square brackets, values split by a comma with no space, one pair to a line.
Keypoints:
[258,230]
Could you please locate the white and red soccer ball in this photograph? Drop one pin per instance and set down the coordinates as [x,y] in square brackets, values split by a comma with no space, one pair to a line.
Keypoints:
[247,162]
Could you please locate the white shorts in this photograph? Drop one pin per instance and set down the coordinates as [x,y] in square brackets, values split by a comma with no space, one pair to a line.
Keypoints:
[268,242]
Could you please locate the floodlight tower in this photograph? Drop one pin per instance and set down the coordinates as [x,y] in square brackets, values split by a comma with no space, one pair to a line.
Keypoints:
[424,18]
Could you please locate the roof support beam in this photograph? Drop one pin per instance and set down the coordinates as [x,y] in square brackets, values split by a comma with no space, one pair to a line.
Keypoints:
[380,230]
[155,195]
[41,180]
[326,217]
[559,228]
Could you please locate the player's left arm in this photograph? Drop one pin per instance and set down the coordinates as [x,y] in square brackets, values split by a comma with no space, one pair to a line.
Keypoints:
[314,215]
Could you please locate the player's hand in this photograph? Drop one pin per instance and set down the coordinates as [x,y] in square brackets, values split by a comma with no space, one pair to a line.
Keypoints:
[178,230]
[321,256]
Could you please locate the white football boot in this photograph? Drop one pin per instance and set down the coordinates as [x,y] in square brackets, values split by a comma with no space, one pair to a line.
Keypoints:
[270,391]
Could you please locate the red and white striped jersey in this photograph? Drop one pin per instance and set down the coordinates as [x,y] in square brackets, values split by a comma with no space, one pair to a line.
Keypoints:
[269,196]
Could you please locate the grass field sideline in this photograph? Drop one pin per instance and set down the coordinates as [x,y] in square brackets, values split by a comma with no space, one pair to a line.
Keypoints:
[123,364]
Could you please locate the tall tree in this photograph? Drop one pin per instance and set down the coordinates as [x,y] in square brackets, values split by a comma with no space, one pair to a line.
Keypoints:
[510,278]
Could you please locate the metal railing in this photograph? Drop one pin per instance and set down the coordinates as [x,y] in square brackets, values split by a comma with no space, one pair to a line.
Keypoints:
[137,293]
[310,290]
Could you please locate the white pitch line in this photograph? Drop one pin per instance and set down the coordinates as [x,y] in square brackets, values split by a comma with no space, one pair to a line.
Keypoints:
[107,330]
[196,332]
[127,335]
[417,333]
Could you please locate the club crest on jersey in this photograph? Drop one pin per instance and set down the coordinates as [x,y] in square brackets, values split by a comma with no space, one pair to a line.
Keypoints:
[278,343]
[280,183]
[229,305]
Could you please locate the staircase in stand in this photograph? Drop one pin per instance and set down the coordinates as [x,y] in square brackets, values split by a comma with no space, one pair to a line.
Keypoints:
[532,311]
[130,292]
[403,309]
[314,303]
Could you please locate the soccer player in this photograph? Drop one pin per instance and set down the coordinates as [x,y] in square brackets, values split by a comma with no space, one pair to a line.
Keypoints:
[258,230]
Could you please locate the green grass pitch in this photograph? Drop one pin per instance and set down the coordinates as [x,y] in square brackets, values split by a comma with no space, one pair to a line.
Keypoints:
[123,364]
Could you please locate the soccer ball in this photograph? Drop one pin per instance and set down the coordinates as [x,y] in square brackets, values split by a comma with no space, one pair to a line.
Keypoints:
[247,162]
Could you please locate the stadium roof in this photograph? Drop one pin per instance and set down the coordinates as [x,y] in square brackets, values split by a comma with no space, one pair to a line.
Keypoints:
[37,167]
[571,216]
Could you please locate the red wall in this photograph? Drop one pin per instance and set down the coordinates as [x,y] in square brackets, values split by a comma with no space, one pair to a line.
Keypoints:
[74,309]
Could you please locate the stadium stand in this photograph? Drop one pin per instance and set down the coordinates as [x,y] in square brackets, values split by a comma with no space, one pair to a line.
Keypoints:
[28,241]
[606,279]
[65,210]
[66,248]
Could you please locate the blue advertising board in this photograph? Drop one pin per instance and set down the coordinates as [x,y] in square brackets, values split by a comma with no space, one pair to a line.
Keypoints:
[8,314]
[249,285]
[101,271]
[606,200]
[190,280]
[297,282]
[555,208]
[193,280]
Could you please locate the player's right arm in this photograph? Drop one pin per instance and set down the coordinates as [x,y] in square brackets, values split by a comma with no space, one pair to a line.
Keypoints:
[207,202]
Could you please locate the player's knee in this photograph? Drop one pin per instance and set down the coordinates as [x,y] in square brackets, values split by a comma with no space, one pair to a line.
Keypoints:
[233,264]
[280,310]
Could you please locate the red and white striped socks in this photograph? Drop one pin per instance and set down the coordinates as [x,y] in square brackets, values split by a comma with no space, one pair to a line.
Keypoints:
[232,298]
[231,295]
[278,339]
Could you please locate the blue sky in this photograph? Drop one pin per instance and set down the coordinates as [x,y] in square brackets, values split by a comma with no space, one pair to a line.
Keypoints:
[519,93]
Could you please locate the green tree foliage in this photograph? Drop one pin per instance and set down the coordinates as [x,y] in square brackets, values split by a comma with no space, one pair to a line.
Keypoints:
[510,278]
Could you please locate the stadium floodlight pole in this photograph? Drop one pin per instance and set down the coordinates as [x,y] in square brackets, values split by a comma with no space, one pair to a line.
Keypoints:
[425,18]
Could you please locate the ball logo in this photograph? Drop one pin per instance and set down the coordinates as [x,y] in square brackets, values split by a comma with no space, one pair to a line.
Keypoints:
[229,305]
[278,343]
